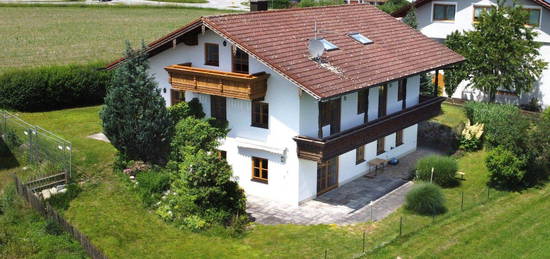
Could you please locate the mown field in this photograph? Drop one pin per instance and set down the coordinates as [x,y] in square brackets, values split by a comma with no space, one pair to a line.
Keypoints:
[35,36]
[113,217]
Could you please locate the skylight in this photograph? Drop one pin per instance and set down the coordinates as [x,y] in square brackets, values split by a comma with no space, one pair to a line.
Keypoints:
[328,45]
[361,38]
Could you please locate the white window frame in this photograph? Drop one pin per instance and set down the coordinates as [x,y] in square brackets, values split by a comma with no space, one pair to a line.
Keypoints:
[526,7]
[492,5]
[443,3]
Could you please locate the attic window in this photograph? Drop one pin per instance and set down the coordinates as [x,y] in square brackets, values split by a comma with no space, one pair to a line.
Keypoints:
[328,45]
[360,38]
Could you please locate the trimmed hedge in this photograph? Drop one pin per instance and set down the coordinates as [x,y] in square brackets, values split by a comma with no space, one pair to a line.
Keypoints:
[53,87]
[445,169]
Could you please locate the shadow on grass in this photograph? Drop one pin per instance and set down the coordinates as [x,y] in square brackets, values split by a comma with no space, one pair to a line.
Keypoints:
[7,159]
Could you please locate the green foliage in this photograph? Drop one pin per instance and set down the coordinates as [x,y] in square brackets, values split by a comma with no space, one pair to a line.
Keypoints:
[504,124]
[393,5]
[203,187]
[192,135]
[444,170]
[279,4]
[311,3]
[538,146]
[454,76]
[135,118]
[11,139]
[186,109]
[506,170]
[426,85]
[53,87]
[470,145]
[410,19]
[425,199]
[501,52]
[62,200]
[151,184]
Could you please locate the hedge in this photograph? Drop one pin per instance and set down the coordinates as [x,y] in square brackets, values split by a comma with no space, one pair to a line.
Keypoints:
[53,87]
[444,170]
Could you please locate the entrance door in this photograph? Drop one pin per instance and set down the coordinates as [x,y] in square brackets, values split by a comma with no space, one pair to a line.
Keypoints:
[327,175]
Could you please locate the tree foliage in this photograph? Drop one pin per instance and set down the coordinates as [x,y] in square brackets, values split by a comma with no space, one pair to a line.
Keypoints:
[192,135]
[135,118]
[410,18]
[393,5]
[501,52]
[506,169]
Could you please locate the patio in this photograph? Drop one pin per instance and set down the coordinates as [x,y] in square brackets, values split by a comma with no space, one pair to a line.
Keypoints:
[349,203]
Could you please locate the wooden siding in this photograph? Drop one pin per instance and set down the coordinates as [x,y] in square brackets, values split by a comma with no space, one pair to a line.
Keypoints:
[219,83]
[323,149]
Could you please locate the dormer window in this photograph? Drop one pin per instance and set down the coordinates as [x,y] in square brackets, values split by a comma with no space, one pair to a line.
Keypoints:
[360,38]
[328,45]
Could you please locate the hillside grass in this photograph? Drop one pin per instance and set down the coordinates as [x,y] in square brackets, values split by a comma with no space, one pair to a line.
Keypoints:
[113,217]
[45,35]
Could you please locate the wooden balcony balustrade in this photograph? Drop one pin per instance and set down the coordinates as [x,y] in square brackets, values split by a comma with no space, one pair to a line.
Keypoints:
[214,82]
[326,148]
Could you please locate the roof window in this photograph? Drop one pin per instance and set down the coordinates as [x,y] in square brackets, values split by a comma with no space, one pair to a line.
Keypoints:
[360,38]
[328,45]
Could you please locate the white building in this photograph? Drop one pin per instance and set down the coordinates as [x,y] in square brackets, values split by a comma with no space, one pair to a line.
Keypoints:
[301,126]
[437,19]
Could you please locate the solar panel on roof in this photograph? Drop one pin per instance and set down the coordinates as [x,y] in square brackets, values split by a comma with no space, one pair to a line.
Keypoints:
[361,38]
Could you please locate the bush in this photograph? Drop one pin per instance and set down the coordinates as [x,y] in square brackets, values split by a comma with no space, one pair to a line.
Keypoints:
[53,87]
[506,170]
[279,4]
[186,109]
[444,170]
[311,3]
[425,199]
[150,186]
[504,125]
[193,134]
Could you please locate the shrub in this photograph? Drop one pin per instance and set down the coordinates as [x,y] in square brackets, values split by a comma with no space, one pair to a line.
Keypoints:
[470,139]
[311,3]
[53,87]
[150,186]
[279,4]
[506,170]
[425,199]
[11,139]
[135,118]
[63,200]
[444,170]
[186,109]
[193,134]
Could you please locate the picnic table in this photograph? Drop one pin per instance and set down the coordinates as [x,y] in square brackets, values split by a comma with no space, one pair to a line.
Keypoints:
[376,163]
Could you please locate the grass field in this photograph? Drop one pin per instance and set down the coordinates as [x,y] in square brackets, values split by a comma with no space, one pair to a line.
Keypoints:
[34,36]
[113,218]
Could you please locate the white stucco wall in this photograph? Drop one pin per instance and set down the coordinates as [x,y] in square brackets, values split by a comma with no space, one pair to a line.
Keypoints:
[439,30]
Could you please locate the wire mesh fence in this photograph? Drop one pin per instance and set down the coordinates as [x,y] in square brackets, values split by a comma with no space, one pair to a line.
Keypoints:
[42,149]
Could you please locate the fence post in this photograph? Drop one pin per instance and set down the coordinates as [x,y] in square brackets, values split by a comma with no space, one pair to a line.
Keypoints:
[400,225]
[488,189]
[326,251]
[462,202]
[364,235]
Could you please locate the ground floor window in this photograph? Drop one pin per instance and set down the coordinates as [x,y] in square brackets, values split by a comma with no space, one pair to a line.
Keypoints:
[380,145]
[360,155]
[327,175]
[177,96]
[259,169]
[399,138]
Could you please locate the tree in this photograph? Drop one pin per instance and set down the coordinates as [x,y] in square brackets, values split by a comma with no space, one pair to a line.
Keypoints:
[192,135]
[393,5]
[501,51]
[410,18]
[135,118]
[454,76]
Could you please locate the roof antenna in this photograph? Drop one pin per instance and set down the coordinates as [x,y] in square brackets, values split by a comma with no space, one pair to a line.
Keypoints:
[315,47]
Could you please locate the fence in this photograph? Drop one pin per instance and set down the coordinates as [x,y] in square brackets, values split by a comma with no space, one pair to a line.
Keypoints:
[48,212]
[37,146]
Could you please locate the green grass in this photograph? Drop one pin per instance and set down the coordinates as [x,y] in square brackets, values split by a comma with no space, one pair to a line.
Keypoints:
[35,36]
[182,1]
[113,217]
[452,115]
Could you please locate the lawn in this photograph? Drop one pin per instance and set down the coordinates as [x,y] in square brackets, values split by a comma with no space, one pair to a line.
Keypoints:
[112,216]
[35,36]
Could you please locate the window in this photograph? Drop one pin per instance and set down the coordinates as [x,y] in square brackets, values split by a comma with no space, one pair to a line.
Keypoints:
[328,45]
[478,10]
[222,154]
[259,169]
[360,155]
[401,89]
[360,38]
[382,99]
[329,114]
[177,96]
[363,101]
[444,12]
[240,62]
[399,138]
[211,54]
[380,146]
[260,114]
[534,17]
[218,107]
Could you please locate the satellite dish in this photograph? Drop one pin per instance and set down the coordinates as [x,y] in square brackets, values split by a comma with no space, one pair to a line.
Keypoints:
[316,48]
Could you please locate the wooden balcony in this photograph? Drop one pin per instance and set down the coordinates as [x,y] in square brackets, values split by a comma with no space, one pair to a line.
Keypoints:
[213,82]
[323,149]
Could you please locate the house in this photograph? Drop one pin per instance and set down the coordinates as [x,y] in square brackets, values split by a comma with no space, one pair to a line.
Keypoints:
[301,126]
[437,19]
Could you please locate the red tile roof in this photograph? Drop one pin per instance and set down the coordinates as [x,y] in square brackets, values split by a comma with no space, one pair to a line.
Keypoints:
[279,39]
[418,3]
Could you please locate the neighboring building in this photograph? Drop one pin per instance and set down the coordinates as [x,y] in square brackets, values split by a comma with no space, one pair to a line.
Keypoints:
[302,126]
[437,19]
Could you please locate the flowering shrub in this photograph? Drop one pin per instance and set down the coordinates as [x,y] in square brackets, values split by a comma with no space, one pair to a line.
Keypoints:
[470,139]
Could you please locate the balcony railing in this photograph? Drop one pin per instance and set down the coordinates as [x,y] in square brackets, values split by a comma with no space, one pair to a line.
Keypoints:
[326,148]
[213,82]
